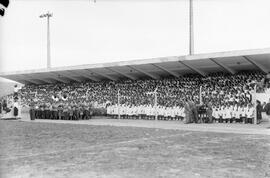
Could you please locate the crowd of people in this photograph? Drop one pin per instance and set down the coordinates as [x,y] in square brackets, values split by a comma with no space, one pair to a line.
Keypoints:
[61,113]
[223,97]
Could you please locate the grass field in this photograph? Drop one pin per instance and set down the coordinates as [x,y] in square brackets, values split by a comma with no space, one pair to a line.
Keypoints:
[30,149]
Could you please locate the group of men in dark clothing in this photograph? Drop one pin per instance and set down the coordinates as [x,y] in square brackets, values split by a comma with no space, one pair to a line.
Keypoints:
[197,113]
[60,113]
[3,106]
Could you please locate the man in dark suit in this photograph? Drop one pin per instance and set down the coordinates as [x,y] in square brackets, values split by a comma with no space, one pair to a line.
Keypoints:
[32,112]
[259,111]
[187,110]
[267,109]
[194,112]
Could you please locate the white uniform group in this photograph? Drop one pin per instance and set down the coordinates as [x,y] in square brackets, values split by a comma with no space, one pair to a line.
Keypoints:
[147,112]
[245,114]
[228,114]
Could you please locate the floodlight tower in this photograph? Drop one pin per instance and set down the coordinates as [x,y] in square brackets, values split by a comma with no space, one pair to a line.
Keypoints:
[191,36]
[48,15]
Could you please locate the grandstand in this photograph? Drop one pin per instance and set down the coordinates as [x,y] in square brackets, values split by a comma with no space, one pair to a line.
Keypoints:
[202,78]
[202,64]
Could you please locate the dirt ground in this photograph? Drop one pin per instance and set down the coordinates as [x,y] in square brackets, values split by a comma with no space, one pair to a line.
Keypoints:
[29,149]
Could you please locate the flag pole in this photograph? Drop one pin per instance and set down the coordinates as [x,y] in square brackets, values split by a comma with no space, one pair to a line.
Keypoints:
[155,92]
[118,101]
[255,109]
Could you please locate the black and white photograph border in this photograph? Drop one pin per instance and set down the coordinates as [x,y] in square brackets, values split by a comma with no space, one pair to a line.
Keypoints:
[134,88]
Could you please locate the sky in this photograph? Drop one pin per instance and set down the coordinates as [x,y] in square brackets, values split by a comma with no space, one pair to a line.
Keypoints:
[83,32]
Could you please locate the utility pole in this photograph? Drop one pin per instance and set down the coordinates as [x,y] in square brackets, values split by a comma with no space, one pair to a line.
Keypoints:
[48,15]
[191,35]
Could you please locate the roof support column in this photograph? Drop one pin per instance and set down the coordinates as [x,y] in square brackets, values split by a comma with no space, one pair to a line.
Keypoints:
[86,75]
[104,75]
[58,77]
[193,68]
[144,72]
[256,64]
[166,70]
[50,81]
[67,75]
[226,68]
[122,73]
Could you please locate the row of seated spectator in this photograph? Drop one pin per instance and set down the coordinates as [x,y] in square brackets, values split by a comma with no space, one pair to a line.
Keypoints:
[219,88]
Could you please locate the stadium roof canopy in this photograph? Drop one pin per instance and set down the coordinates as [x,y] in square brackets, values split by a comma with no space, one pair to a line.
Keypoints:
[203,64]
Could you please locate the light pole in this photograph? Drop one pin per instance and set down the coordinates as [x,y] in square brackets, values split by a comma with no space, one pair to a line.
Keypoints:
[48,15]
[191,37]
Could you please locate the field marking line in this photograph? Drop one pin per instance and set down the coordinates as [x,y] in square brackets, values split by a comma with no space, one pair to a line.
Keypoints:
[183,127]
[93,146]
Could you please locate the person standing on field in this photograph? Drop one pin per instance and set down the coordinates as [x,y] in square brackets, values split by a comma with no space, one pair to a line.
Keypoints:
[209,112]
[267,109]
[259,111]
[194,112]
[188,112]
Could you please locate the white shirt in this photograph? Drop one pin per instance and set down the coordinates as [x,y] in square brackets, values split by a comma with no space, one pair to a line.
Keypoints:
[250,112]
